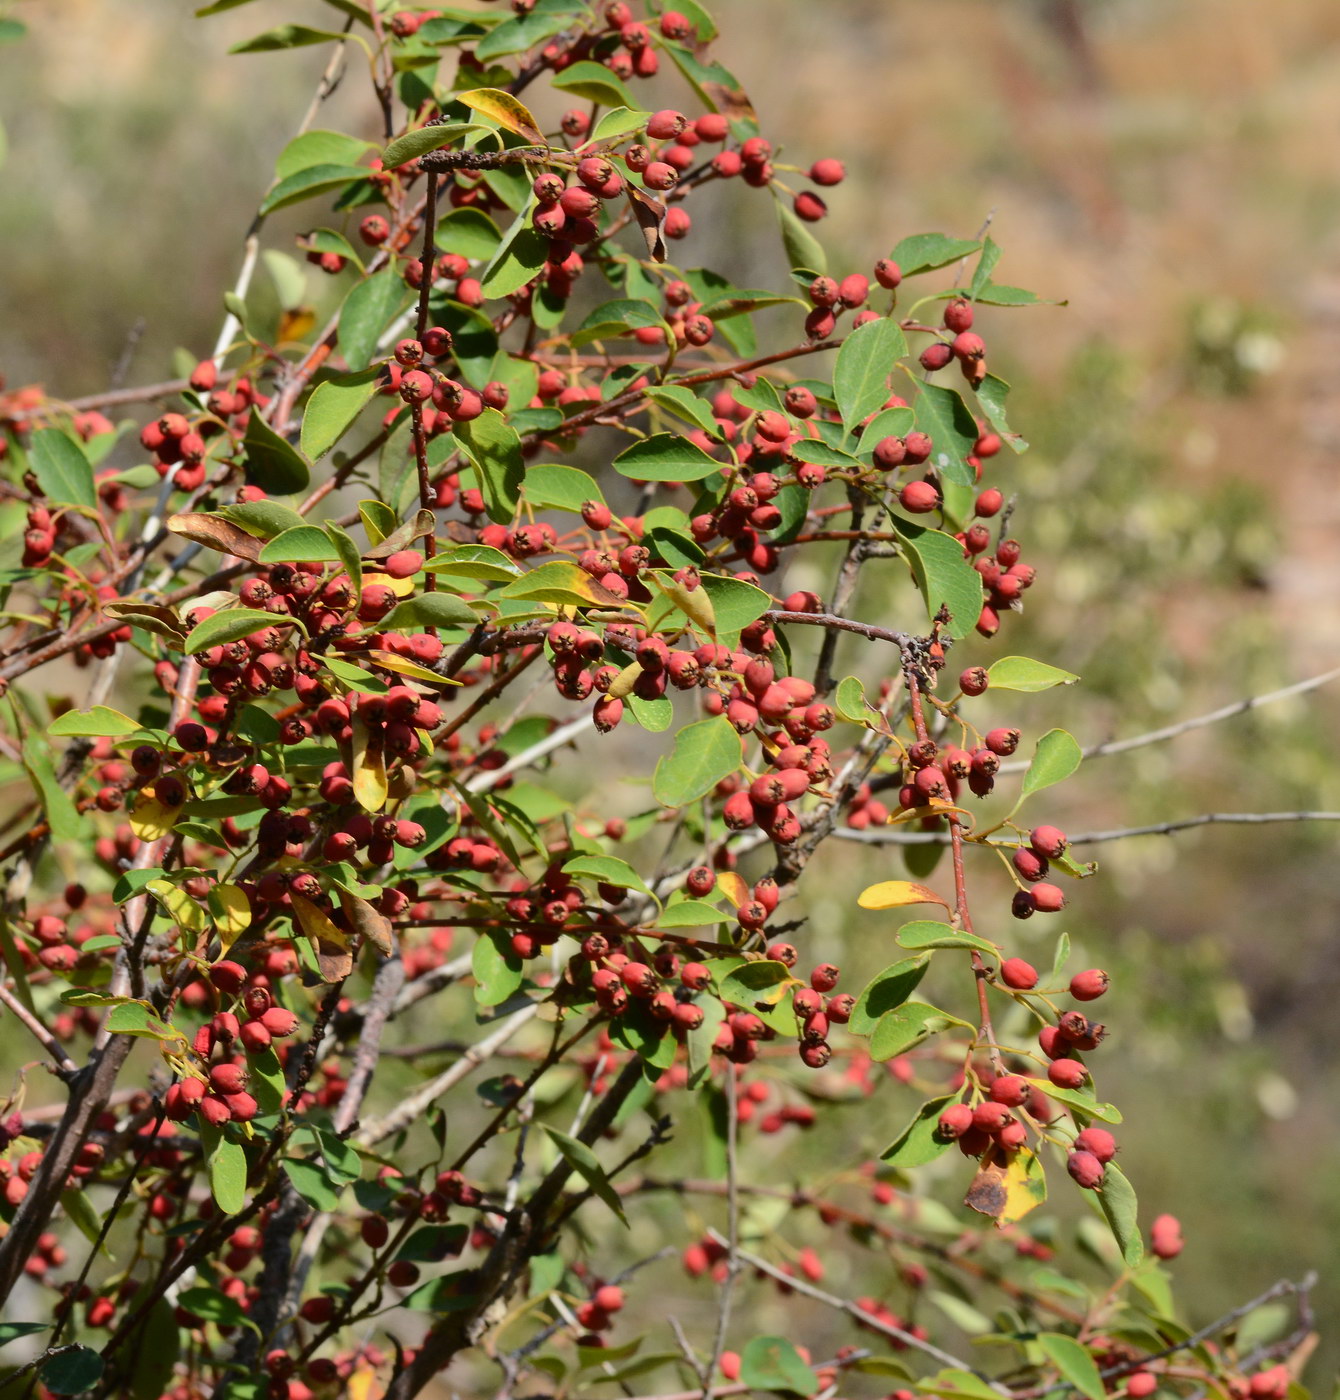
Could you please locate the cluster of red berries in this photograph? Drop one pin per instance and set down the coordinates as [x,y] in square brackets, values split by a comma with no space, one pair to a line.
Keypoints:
[962,344]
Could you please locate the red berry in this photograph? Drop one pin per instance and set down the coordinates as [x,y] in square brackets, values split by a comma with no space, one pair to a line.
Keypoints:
[1098,1141]
[1016,973]
[1086,1170]
[828,172]
[1165,1237]
[955,1121]
[1048,899]
[1067,1074]
[1089,985]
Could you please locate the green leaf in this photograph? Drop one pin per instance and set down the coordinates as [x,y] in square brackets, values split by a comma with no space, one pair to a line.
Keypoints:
[61,814]
[62,469]
[228,1175]
[1022,673]
[1116,1196]
[227,626]
[319,148]
[864,364]
[665,457]
[985,266]
[849,701]
[735,604]
[995,295]
[134,1018]
[469,232]
[305,184]
[80,1210]
[812,450]
[887,991]
[745,301]
[908,1026]
[367,311]
[272,462]
[773,1363]
[704,754]
[434,1243]
[430,610]
[685,404]
[615,320]
[991,394]
[311,1183]
[690,913]
[497,975]
[473,561]
[609,870]
[560,488]
[656,715]
[584,1162]
[348,555]
[333,409]
[72,1370]
[494,446]
[208,1303]
[801,246]
[620,122]
[520,256]
[302,544]
[1079,1101]
[595,83]
[947,420]
[920,1142]
[927,933]
[11,31]
[1055,758]
[924,252]
[267,1080]
[99,722]
[450,1293]
[10,1331]
[414,144]
[156,1353]
[943,575]
[287,36]
[264,519]
[1074,1363]
[891,422]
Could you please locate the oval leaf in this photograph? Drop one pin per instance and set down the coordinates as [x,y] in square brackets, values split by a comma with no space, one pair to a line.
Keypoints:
[1022,673]
[892,894]
[704,754]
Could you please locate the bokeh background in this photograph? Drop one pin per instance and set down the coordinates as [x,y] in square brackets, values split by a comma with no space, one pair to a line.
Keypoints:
[1170,168]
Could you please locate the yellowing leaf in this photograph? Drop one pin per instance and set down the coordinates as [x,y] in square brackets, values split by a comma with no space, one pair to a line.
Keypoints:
[369,770]
[891,894]
[693,603]
[624,682]
[364,1385]
[151,819]
[331,943]
[734,888]
[505,110]
[389,661]
[232,913]
[187,913]
[1008,1193]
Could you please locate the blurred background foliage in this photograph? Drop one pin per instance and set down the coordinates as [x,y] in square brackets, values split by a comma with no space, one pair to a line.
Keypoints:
[1168,166]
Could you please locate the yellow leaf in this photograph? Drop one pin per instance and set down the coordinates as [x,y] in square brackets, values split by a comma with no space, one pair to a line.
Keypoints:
[1008,1193]
[232,913]
[151,819]
[624,682]
[294,324]
[401,587]
[734,888]
[505,110]
[369,770]
[389,661]
[891,894]
[331,943]
[187,913]
[364,1385]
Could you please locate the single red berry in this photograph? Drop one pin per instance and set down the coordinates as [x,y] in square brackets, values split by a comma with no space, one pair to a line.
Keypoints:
[1086,1170]
[1047,898]
[828,172]
[1067,1074]
[1165,1237]
[955,1121]
[1016,973]
[1089,985]
[974,681]
[1098,1141]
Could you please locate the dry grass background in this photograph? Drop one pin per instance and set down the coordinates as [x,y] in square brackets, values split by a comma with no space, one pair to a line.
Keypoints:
[1170,167]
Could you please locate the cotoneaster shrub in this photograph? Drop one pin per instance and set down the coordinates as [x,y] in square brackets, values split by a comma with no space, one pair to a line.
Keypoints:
[365,1035]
